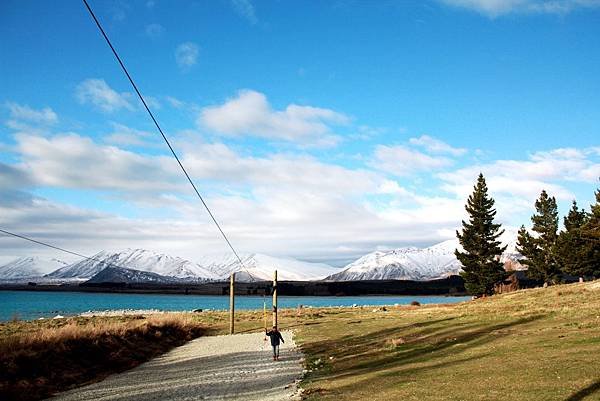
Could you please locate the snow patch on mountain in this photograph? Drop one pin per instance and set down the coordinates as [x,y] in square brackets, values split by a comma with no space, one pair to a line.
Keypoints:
[216,267]
[29,267]
[261,267]
[419,264]
[409,263]
[136,259]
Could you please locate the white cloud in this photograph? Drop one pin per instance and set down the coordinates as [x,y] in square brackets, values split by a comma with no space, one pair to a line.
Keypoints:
[186,55]
[174,102]
[495,8]
[298,173]
[280,204]
[45,116]
[154,30]
[12,177]
[434,145]
[100,95]
[251,114]
[126,136]
[245,8]
[73,161]
[287,204]
[152,102]
[524,179]
[401,160]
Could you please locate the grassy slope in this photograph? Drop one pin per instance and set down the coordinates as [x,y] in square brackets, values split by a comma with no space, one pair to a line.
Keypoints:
[541,344]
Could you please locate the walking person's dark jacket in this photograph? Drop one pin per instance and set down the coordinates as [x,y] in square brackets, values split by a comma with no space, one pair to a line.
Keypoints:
[275,336]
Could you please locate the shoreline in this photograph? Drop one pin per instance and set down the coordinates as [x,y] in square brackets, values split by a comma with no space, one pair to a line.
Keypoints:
[453,285]
[135,308]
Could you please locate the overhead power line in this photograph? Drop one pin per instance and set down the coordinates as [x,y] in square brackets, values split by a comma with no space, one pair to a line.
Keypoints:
[60,249]
[165,137]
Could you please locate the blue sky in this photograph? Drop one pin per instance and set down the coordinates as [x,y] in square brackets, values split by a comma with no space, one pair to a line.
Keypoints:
[317,130]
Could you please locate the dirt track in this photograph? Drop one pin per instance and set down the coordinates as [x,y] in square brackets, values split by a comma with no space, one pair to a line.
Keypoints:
[237,367]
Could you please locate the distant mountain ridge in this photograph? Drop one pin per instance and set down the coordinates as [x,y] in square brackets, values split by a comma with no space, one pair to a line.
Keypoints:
[261,267]
[411,263]
[130,276]
[28,267]
[172,269]
[135,259]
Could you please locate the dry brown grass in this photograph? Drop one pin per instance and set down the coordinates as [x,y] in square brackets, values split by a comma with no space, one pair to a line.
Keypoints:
[40,359]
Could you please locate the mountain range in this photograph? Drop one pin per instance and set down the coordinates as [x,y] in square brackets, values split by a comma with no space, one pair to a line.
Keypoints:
[136,259]
[163,268]
[140,265]
[27,267]
[419,264]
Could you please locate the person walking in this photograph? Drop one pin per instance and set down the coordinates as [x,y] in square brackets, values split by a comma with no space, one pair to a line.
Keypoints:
[276,338]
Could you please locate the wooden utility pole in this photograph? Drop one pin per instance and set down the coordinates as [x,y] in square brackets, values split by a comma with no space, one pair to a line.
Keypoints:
[231,303]
[275,299]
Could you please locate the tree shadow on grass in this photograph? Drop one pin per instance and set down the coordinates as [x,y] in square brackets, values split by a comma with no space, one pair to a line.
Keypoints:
[348,345]
[584,392]
[431,343]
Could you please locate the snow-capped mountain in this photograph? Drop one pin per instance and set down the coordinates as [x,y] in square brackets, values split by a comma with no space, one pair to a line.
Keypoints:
[136,259]
[29,267]
[261,267]
[256,266]
[511,257]
[403,264]
[129,276]
[437,261]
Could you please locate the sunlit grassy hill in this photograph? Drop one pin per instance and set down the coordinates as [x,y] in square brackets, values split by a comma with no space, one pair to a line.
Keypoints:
[538,344]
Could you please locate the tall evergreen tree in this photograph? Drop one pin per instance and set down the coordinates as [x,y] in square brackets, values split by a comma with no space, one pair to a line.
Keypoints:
[539,250]
[572,249]
[481,266]
[590,233]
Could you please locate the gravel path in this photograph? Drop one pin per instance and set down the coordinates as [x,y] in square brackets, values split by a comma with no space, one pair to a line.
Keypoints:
[238,367]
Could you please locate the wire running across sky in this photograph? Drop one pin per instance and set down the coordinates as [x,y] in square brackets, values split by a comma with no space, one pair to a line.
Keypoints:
[114,51]
[60,249]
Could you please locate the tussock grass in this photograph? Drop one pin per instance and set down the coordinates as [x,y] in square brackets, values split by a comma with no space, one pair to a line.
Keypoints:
[40,358]
[538,344]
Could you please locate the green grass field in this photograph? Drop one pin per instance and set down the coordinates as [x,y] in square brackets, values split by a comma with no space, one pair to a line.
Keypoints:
[540,344]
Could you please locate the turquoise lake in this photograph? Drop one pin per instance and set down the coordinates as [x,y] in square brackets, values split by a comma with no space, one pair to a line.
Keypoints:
[29,305]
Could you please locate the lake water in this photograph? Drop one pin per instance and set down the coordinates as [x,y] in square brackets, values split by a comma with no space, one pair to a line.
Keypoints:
[30,305]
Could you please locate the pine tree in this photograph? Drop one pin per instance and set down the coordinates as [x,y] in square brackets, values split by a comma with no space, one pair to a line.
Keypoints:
[590,233]
[481,267]
[539,251]
[527,246]
[572,250]
[575,218]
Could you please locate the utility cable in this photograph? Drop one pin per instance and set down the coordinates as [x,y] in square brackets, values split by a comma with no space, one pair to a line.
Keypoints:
[165,137]
[60,249]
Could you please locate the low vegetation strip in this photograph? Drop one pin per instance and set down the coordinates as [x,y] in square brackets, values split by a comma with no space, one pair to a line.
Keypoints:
[540,344]
[38,359]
